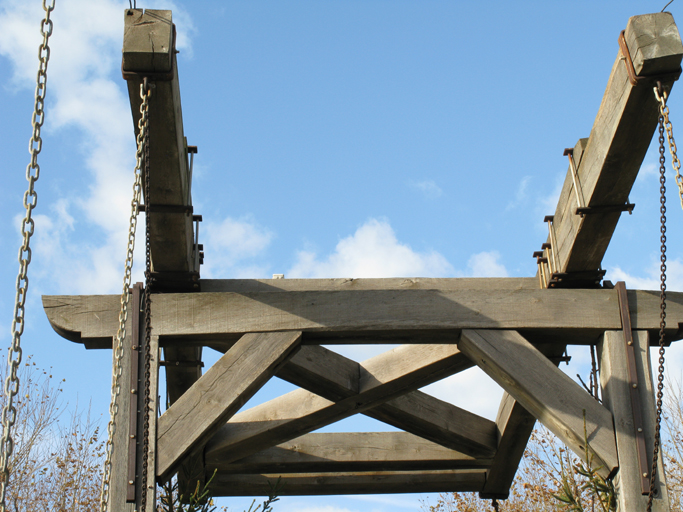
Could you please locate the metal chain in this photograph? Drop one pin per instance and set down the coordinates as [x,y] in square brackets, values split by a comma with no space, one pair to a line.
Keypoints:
[675,162]
[661,97]
[494,504]
[125,299]
[148,323]
[9,412]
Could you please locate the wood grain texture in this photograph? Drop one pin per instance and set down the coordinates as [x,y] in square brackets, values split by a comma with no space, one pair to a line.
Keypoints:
[148,48]
[300,412]
[380,482]
[614,380]
[620,136]
[545,391]
[335,378]
[211,318]
[351,452]
[218,394]
[514,427]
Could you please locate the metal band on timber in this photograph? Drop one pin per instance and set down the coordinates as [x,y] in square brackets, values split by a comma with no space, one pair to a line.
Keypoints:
[512,328]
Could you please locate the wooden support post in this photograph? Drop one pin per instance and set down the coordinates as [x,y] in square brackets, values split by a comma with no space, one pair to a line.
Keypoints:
[183,367]
[550,395]
[119,486]
[150,484]
[614,380]
[218,394]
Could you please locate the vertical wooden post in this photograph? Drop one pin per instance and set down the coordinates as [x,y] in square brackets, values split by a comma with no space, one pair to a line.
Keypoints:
[150,484]
[118,489]
[614,380]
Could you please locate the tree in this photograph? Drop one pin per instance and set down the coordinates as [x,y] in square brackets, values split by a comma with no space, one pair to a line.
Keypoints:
[53,466]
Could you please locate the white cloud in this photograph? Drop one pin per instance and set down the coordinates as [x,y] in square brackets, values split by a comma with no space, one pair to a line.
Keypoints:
[372,251]
[486,264]
[521,194]
[232,245]
[458,390]
[85,92]
[650,279]
[428,188]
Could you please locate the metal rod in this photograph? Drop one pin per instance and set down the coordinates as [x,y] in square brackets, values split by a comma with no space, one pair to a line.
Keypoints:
[575,177]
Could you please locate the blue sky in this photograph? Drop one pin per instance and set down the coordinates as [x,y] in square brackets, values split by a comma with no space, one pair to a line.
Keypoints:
[343,138]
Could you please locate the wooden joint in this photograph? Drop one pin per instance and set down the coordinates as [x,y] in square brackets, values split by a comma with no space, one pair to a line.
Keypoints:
[153,76]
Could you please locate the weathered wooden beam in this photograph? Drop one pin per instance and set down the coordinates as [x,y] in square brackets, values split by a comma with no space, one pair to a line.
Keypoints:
[545,391]
[149,50]
[381,378]
[218,394]
[619,139]
[380,482]
[351,452]
[616,388]
[182,367]
[334,377]
[514,427]
[347,316]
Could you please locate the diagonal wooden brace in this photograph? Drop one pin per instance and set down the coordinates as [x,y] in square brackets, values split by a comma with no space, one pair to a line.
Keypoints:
[299,412]
[545,391]
[218,394]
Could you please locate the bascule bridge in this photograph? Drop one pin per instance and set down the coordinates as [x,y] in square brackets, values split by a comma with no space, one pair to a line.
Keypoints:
[515,329]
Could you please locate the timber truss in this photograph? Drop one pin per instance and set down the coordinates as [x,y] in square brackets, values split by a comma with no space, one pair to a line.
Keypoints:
[516,330]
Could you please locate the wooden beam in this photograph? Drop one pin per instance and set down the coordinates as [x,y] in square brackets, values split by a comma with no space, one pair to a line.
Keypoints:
[335,378]
[545,391]
[616,383]
[218,394]
[620,137]
[514,427]
[300,412]
[380,482]
[351,452]
[148,48]
[346,284]
[183,368]
[339,316]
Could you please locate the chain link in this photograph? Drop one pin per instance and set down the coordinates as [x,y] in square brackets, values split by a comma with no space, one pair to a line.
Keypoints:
[663,120]
[675,162]
[9,412]
[143,124]
[148,328]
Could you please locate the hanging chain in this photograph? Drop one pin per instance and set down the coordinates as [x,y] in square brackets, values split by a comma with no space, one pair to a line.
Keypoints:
[9,412]
[675,162]
[148,323]
[494,504]
[125,299]
[663,121]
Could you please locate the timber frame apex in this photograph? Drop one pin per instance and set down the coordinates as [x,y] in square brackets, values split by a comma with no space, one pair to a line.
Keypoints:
[516,330]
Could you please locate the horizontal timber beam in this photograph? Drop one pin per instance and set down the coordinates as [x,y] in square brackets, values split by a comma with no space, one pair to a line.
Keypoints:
[219,394]
[380,482]
[351,452]
[335,378]
[299,412]
[609,161]
[580,316]
[546,392]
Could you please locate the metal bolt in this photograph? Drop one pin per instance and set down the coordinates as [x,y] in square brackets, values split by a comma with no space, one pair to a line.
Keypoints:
[640,429]
[635,385]
[644,475]
[131,482]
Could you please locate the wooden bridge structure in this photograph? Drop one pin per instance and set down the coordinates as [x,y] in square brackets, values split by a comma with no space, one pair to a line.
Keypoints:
[515,329]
